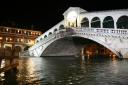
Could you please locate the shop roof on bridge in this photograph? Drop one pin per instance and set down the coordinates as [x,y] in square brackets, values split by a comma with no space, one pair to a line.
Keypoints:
[77,9]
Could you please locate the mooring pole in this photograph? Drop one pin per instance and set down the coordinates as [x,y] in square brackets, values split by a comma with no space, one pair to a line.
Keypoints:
[82,54]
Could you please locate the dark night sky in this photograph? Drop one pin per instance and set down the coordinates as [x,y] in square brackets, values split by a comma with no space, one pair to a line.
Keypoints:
[43,15]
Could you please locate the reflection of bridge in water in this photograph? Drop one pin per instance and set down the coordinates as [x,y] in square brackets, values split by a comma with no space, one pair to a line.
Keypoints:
[108,28]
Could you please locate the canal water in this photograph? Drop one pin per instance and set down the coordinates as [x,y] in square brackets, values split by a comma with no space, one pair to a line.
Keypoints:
[67,71]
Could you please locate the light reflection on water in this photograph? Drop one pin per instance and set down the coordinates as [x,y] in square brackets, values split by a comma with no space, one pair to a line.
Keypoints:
[68,71]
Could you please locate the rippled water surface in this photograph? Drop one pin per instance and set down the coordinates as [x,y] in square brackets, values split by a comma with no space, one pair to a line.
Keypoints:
[67,71]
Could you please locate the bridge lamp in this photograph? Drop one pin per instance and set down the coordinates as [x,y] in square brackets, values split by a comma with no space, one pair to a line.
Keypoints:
[72,18]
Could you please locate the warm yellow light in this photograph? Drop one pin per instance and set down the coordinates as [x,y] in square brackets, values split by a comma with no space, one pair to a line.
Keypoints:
[18,39]
[72,16]
[21,40]
[1,38]
[24,31]
[31,42]
[10,38]
[6,38]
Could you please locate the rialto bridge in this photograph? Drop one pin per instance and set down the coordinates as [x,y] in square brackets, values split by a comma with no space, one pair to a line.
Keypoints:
[108,28]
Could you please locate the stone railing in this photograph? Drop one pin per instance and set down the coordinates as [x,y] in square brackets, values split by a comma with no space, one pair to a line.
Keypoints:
[104,31]
[56,35]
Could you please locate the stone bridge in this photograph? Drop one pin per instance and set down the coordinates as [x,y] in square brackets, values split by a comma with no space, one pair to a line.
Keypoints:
[108,28]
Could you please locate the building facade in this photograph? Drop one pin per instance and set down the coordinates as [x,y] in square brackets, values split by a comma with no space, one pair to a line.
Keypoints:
[15,37]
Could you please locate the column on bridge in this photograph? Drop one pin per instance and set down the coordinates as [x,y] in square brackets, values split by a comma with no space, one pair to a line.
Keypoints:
[89,24]
[115,25]
[101,22]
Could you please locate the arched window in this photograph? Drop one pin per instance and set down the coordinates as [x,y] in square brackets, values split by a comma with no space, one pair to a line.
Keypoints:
[40,38]
[95,22]
[45,36]
[122,22]
[50,33]
[17,49]
[61,27]
[85,22]
[108,22]
[55,30]
[37,41]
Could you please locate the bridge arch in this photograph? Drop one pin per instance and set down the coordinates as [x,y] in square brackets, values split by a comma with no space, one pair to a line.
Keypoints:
[41,38]
[61,27]
[85,22]
[37,41]
[101,43]
[81,36]
[50,33]
[45,36]
[108,22]
[95,22]
[122,22]
[55,29]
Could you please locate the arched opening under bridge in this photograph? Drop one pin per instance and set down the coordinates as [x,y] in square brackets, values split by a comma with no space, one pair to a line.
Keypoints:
[69,46]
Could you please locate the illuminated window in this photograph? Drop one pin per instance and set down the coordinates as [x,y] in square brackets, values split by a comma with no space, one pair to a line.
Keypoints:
[18,40]
[6,29]
[10,39]
[21,40]
[6,38]
[36,33]
[1,38]
[25,31]
[33,33]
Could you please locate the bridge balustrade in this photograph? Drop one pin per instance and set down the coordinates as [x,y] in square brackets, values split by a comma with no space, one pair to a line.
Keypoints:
[103,31]
[56,35]
[117,33]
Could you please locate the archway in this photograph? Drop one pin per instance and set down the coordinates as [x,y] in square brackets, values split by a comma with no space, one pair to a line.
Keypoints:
[85,22]
[16,51]
[55,30]
[8,48]
[122,22]
[95,22]
[108,22]
[61,27]
[50,33]
[45,36]
[69,46]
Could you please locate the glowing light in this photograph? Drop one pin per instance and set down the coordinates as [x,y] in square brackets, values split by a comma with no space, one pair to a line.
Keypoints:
[72,16]
[18,39]
[21,40]
[24,31]
[6,38]
[1,38]
[10,39]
